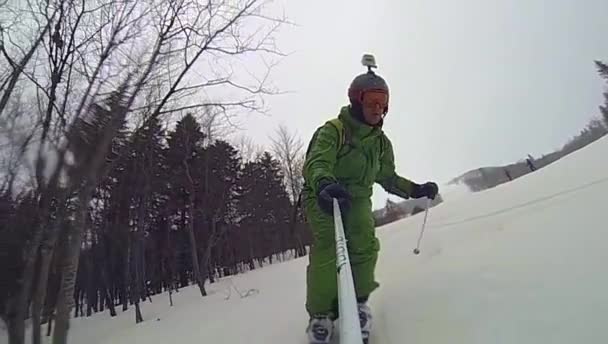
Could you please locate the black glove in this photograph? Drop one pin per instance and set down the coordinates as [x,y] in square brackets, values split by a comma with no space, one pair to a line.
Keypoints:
[330,190]
[428,189]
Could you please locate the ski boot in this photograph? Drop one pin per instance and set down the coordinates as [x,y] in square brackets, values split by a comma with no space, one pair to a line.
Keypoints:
[320,329]
[365,319]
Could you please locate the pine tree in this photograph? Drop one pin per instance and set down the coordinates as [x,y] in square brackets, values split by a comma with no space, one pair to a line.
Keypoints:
[183,155]
[221,171]
[277,205]
[603,71]
[264,205]
[145,180]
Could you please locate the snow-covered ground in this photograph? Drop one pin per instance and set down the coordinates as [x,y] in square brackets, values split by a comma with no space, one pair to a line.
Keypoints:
[524,262]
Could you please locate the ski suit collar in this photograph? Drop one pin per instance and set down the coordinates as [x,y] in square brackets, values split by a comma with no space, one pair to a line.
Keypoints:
[357,127]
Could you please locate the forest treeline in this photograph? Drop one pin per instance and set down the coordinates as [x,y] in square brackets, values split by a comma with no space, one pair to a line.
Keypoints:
[117,177]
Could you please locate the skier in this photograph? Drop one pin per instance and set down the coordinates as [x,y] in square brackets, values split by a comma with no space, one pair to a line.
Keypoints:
[345,157]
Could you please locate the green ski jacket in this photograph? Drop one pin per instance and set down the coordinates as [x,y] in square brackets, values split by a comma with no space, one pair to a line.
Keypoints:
[354,154]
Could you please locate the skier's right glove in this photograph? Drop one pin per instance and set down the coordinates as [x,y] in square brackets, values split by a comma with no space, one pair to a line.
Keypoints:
[428,189]
[330,190]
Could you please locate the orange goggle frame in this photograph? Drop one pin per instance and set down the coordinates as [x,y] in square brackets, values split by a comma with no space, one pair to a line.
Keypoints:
[374,98]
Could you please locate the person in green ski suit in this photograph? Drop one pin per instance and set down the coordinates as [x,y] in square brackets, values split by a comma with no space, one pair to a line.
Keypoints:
[344,159]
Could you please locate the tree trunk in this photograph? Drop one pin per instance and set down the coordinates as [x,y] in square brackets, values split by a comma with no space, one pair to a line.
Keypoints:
[49,327]
[167,267]
[126,276]
[17,324]
[46,253]
[300,250]
[13,330]
[211,274]
[11,322]
[190,209]
[138,317]
[107,296]
[204,273]
[136,289]
[109,301]
[193,248]
[89,287]
[65,299]
[77,307]
[251,255]
[207,254]
[47,250]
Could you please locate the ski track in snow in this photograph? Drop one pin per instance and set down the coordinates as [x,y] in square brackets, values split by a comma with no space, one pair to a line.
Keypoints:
[522,263]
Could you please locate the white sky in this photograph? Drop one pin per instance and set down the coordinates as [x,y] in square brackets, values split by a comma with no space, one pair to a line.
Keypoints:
[473,82]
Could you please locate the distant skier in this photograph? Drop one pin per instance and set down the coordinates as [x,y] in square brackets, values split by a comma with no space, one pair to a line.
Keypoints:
[345,157]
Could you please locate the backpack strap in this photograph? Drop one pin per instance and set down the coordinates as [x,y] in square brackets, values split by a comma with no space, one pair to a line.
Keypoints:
[337,123]
[344,135]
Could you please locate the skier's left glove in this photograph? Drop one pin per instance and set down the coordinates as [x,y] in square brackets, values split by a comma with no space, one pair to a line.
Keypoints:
[330,190]
[428,189]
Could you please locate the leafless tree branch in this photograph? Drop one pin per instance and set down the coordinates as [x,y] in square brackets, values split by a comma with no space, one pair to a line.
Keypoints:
[250,105]
[18,68]
[210,37]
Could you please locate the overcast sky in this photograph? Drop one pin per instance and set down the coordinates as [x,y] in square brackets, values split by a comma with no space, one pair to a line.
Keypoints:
[473,82]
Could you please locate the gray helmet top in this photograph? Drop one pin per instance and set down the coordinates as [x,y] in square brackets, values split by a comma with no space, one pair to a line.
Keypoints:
[366,82]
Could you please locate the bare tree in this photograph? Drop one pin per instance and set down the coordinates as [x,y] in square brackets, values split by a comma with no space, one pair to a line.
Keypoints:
[289,150]
[247,148]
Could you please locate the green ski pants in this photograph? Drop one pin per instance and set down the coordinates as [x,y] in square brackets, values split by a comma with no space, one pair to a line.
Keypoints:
[363,247]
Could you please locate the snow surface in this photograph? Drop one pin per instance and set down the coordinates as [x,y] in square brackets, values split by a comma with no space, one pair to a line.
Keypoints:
[524,262]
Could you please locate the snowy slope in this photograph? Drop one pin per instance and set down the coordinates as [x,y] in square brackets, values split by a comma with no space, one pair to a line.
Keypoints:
[524,262]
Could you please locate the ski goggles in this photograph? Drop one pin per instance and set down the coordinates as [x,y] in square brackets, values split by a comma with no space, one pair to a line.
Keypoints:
[371,99]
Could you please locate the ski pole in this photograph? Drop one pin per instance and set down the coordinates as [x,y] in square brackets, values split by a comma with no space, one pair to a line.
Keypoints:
[426,213]
[350,327]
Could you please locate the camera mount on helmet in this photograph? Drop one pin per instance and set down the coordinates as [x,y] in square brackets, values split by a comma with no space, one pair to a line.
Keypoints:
[369,61]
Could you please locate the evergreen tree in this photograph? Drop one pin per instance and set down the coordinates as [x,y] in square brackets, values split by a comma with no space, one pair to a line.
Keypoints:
[603,71]
[276,205]
[183,161]
[146,181]
[264,205]
[221,162]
